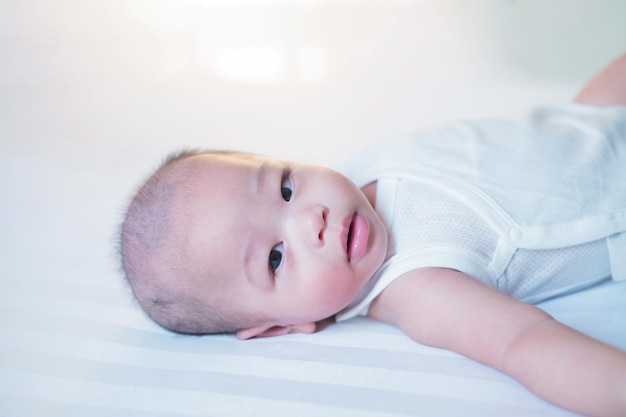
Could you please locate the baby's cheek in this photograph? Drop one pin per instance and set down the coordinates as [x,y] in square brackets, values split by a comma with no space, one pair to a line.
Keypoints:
[334,291]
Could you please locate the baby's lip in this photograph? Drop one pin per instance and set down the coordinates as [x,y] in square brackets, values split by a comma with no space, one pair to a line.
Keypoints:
[343,235]
[354,236]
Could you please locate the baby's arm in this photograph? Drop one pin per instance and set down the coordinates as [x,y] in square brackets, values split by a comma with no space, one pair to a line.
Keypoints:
[608,87]
[448,309]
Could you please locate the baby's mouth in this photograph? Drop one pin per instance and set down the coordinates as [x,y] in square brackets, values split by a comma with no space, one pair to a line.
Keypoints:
[349,239]
[357,237]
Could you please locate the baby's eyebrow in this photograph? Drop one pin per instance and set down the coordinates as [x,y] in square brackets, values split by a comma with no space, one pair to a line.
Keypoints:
[247,259]
[253,259]
[261,176]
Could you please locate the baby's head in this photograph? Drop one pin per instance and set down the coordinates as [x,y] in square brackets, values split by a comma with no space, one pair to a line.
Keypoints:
[228,242]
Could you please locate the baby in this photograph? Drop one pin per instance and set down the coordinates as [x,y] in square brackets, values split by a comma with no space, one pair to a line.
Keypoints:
[450,236]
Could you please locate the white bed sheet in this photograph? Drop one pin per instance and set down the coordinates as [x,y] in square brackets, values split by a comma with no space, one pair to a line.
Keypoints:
[93,93]
[75,344]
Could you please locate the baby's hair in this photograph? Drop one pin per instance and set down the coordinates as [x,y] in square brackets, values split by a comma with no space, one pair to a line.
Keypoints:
[153,260]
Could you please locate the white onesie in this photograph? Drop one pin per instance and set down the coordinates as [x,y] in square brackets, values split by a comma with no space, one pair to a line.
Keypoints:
[534,209]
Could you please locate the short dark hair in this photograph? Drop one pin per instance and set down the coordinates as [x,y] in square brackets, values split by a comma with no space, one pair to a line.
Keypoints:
[148,233]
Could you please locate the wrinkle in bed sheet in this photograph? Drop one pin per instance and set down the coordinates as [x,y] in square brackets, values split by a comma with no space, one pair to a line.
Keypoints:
[63,358]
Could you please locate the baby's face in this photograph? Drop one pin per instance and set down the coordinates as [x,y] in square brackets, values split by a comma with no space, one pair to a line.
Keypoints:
[287,242]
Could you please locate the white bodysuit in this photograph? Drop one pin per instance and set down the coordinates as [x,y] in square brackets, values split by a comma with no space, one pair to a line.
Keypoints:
[534,209]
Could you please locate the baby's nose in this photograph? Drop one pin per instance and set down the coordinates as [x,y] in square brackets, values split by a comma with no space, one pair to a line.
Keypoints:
[314,224]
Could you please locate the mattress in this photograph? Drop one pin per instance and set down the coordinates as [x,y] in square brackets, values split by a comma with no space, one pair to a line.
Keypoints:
[74,342]
[72,348]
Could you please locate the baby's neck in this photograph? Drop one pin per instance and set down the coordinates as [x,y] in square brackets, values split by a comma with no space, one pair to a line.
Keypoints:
[370,193]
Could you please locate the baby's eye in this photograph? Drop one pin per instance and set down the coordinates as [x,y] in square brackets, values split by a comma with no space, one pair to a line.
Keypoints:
[276,257]
[286,187]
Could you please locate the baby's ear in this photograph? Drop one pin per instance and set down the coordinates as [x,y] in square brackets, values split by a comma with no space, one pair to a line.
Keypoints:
[269,330]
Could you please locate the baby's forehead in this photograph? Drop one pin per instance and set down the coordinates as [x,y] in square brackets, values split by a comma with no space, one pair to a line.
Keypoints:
[206,166]
[210,187]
